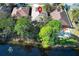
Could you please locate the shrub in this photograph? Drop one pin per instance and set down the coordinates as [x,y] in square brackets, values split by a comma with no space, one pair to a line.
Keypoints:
[66,41]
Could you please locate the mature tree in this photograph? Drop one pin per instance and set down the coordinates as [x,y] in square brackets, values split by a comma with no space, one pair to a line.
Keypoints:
[6,25]
[55,24]
[45,33]
[22,26]
[49,32]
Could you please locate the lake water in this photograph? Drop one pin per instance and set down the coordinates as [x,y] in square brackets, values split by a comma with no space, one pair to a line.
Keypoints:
[22,51]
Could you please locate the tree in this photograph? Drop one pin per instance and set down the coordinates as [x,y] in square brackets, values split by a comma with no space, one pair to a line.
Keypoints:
[22,26]
[55,24]
[6,25]
[56,27]
[45,33]
[75,14]
[6,22]
[49,32]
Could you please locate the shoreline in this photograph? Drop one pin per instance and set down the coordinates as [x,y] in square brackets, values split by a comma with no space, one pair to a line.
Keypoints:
[38,44]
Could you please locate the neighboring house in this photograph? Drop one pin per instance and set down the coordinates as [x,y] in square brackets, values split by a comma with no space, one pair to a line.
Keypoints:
[5,11]
[75,17]
[62,16]
[36,15]
[21,11]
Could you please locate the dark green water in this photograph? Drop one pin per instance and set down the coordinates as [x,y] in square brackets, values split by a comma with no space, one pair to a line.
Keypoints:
[22,51]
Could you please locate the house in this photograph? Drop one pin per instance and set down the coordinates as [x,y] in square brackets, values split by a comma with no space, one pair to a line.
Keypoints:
[21,11]
[38,13]
[59,14]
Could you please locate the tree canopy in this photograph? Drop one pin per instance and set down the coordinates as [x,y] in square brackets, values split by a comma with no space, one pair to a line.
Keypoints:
[49,32]
[22,26]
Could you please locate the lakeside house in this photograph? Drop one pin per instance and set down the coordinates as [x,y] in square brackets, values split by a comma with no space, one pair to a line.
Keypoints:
[38,14]
[62,16]
[21,11]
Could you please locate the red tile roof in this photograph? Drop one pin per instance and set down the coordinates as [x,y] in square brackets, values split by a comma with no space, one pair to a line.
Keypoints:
[17,12]
[60,15]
